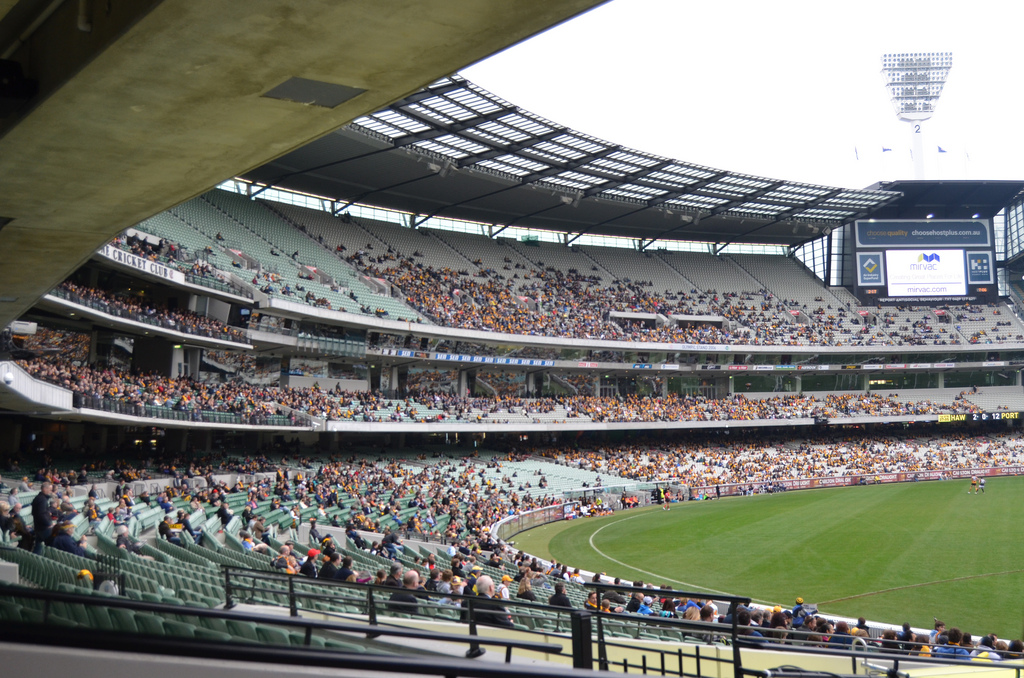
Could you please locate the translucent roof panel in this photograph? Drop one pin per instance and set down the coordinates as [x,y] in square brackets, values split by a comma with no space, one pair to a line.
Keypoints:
[456,119]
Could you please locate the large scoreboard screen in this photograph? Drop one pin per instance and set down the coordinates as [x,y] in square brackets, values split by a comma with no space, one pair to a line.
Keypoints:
[928,262]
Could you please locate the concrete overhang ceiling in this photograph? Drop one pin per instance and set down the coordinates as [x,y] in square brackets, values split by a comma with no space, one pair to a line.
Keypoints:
[142,105]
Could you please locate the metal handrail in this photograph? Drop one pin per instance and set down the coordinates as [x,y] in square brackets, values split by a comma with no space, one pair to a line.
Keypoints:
[295,621]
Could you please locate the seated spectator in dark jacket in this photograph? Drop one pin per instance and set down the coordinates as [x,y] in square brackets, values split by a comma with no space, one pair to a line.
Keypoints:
[405,599]
[64,541]
[314,534]
[308,567]
[166,532]
[743,619]
[355,538]
[395,577]
[559,599]
[186,526]
[224,513]
[125,542]
[345,571]
[329,569]
[281,561]
[486,610]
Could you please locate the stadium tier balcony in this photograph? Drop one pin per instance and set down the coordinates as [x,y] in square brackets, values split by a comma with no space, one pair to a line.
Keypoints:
[129,308]
[187,400]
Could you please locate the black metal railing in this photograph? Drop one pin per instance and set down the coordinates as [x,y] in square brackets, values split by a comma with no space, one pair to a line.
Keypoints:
[53,602]
[255,418]
[585,627]
[51,609]
[705,632]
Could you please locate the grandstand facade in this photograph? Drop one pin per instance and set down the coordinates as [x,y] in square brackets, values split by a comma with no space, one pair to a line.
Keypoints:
[256,306]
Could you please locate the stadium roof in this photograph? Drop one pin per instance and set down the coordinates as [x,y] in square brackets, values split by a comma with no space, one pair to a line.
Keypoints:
[947,199]
[456,150]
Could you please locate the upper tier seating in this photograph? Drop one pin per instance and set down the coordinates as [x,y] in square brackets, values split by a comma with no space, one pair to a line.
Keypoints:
[545,288]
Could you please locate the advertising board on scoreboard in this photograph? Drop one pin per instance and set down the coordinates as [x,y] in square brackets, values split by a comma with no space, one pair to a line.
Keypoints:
[934,262]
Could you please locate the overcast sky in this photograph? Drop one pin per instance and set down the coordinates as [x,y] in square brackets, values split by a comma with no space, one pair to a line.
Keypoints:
[784,89]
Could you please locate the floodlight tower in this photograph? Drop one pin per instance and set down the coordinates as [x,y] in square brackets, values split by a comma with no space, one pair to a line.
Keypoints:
[915,81]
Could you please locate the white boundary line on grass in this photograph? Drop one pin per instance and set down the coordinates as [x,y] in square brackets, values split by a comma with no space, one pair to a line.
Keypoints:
[984,575]
[637,569]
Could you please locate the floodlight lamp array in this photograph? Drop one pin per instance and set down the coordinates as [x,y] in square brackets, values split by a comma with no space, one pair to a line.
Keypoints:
[915,81]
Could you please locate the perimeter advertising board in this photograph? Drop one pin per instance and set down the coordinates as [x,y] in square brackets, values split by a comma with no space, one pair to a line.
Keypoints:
[933,262]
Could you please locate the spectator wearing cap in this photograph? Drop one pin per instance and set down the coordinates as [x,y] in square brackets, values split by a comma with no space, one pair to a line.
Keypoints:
[308,567]
[455,587]
[798,613]
[502,591]
[645,606]
[474,574]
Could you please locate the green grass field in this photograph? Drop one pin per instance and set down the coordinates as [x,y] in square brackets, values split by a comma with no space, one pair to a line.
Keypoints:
[895,553]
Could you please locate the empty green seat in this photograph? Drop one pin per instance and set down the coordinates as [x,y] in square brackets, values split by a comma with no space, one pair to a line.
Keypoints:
[149,624]
[100,618]
[214,624]
[243,630]
[123,620]
[10,612]
[272,635]
[179,629]
[215,636]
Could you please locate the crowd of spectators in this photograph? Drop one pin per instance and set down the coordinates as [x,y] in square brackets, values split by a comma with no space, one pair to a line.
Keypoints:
[757,460]
[546,301]
[190,395]
[133,308]
[72,346]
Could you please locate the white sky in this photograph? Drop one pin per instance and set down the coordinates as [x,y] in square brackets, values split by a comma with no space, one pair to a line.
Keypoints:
[782,89]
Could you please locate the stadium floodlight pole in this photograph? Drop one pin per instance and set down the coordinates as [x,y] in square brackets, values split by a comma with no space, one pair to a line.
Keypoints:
[915,81]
